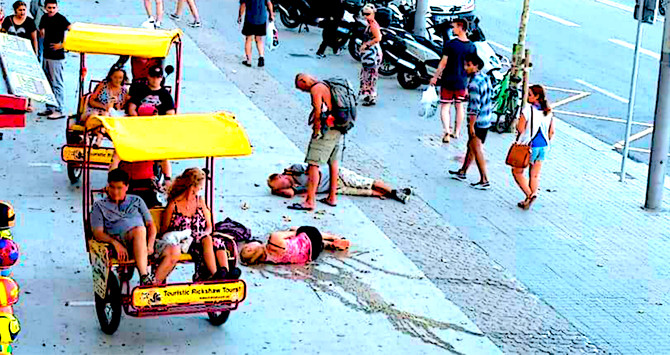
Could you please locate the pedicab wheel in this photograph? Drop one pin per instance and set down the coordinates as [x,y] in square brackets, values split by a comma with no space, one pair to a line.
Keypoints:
[108,309]
[218,318]
[73,173]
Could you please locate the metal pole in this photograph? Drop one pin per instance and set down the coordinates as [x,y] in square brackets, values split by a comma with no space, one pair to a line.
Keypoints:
[420,17]
[660,140]
[631,96]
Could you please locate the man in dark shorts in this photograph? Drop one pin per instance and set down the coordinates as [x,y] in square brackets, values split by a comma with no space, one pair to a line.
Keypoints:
[480,107]
[453,79]
[324,145]
[255,14]
[124,221]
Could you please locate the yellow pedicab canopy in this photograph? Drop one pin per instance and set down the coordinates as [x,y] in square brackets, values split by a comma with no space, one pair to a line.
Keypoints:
[186,136]
[117,40]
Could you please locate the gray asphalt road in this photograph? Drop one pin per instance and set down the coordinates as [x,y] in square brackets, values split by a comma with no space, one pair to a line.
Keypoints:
[585,45]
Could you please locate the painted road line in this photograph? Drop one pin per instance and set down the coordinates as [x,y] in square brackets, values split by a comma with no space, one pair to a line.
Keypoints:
[570,99]
[506,49]
[602,118]
[556,19]
[617,5]
[639,150]
[634,137]
[632,46]
[623,7]
[602,91]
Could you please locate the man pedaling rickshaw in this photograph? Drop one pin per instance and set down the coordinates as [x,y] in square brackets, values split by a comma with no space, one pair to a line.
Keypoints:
[150,100]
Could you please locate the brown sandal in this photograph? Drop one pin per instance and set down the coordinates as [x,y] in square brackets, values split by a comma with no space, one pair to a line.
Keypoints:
[445,139]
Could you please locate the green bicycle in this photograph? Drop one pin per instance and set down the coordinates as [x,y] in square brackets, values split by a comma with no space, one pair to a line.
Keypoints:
[507,103]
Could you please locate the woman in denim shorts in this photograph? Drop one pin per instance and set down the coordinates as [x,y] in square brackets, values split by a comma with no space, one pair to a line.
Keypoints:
[536,128]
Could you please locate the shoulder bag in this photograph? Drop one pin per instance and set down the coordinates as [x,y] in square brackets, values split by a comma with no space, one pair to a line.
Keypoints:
[518,155]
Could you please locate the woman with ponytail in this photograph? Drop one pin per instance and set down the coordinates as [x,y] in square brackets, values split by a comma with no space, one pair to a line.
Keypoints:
[535,128]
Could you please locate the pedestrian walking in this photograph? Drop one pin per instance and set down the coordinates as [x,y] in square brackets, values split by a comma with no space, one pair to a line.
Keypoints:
[453,79]
[330,24]
[52,28]
[535,128]
[371,57]
[194,11]
[20,24]
[255,14]
[324,145]
[37,11]
[480,108]
[153,22]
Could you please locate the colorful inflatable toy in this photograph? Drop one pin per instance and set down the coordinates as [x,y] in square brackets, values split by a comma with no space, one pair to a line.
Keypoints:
[9,292]
[9,328]
[9,253]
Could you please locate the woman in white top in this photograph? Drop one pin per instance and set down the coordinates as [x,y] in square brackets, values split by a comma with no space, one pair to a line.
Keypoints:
[535,128]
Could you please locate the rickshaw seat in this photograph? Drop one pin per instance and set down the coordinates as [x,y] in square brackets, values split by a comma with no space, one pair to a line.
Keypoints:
[77,128]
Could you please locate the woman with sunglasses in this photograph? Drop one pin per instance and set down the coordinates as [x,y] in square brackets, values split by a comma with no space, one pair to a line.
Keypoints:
[371,57]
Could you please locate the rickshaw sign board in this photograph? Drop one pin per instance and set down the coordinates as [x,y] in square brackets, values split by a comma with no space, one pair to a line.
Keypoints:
[22,71]
[100,265]
[185,294]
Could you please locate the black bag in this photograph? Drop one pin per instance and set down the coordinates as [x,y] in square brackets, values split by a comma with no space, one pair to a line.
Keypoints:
[233,228]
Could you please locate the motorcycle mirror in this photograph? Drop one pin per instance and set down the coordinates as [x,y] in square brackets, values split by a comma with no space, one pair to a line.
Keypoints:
[169,70]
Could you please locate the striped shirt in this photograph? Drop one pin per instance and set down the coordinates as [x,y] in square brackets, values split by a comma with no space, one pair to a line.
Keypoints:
[480,103]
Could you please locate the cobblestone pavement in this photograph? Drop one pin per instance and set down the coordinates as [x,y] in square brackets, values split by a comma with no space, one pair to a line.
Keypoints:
[480,268]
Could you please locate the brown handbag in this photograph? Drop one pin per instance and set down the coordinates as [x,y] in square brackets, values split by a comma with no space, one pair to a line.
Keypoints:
[518,155]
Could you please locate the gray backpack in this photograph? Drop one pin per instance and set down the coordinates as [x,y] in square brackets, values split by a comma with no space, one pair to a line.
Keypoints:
[344,101]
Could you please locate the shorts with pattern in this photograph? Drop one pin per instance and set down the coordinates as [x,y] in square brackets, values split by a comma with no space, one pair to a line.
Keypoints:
[351,183]
[325,149]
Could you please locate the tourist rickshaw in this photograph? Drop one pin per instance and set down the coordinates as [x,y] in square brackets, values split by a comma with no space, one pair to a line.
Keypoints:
[169,137]
[85,38]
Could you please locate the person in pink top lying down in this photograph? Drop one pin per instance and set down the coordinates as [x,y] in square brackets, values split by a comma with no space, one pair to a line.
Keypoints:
[295,246]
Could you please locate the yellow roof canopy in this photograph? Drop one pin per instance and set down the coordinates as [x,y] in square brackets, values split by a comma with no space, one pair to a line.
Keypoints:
[186,136]
[117,40]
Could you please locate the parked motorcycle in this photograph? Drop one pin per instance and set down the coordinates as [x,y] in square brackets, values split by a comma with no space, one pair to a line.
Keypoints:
[294,13]
[418,57]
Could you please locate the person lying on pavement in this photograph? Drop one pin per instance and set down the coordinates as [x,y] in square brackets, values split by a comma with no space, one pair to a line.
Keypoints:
[293,181]
[294,246]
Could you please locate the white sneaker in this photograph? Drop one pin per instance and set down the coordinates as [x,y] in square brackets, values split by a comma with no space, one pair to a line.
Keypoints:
[157,25]
[149,23]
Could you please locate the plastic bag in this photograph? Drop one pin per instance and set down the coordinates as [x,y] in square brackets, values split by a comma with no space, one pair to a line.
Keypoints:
[428,103]
[273,36]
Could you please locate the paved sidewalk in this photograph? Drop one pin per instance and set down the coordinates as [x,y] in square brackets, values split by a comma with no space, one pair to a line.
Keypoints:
[586,249]
[372,300]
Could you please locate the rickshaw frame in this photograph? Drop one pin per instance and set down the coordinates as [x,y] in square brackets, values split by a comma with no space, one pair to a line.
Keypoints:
[229,140]
[86,38]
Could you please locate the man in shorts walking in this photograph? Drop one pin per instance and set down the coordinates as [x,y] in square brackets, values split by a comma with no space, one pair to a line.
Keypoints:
[324,145]
[453,79]
[255,14]
[480,107]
